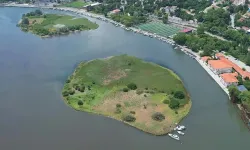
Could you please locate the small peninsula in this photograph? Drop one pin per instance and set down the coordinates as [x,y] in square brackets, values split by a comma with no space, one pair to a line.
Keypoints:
[47,25]
[142,94]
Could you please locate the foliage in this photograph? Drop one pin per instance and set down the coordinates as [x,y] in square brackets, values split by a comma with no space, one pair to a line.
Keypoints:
[179,95]
[80,103]
[118,105]
[246,83]
[165,19]
[125,89]
[174,103]
[166,101]
[139,92]
[117,110]
[132,86]
[46,26]
[129,118]
[158,116]
[234,94]
[25,21]
[132,112]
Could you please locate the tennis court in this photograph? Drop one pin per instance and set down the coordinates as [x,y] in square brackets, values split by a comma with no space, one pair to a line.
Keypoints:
[159,28]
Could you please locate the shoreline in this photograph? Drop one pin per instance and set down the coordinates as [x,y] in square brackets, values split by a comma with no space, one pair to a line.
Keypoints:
[169,130]
[82,12]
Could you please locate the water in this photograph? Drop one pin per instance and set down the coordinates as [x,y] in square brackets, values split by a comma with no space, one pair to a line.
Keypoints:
[34,117]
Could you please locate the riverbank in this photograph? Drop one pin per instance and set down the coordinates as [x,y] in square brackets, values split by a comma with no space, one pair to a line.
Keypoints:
[125,90]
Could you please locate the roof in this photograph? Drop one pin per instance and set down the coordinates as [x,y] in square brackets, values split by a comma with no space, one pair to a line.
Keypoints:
[218,64]
[205,58]
[233,65]
[116,10]
[218,55]
[229,77]
[186,30]
[244,28]
[242,88]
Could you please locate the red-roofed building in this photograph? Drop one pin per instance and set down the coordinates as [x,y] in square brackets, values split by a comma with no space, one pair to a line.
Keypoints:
[238,69]
[205,58]
[186,30]
[115,11]
[229,79]
[219,67]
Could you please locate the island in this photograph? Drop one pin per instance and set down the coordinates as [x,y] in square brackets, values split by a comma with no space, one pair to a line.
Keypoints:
[47,25]
[142,94]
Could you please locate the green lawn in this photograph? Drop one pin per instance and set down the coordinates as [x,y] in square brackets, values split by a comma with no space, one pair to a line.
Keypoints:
[159,28]
[76,4]
[103,81]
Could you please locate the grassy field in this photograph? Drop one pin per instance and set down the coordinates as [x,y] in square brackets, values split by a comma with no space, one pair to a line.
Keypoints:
[102,86]
[76,4]
[53,24]
[159,28]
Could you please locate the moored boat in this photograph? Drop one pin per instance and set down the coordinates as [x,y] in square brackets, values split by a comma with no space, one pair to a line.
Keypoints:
[174,136]
[181,133]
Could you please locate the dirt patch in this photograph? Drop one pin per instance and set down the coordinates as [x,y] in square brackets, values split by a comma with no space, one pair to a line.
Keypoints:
[114,75]
[143,107]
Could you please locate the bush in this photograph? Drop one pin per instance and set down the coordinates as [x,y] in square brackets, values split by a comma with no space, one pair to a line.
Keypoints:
[71,92]
[139,92]
[125,89]
[118,111]
[174,104]
[132,112]
[179,95]
[68,81]
[80,103]
[129,118]
[132,86]
[145,95]
[65,93]
[118,105]
[158,116]
[166,101]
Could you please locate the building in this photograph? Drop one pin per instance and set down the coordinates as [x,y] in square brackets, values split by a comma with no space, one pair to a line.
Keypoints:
[186,30]
[229,79]
[91,6]
[238,69]
[219,67]
[115,11]
[238,2]
[242,88]
[205,58]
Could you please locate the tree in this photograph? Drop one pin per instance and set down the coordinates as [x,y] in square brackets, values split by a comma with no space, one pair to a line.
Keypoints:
[25,21]
[179,95]
[38,12]
[200,30]
[234,94]
[165,19]
[129,118]
[158,116]
[180,38]
[174,104]
[80,103]
[132,86]
[248,58]
[239,78]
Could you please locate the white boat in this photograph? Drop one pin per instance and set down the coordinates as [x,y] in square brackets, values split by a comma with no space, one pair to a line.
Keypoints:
[181,133]
[174,136]
[180,128]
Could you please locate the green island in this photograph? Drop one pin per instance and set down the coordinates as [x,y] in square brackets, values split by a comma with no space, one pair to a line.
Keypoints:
[75,4]
[46,25]
[142,94]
